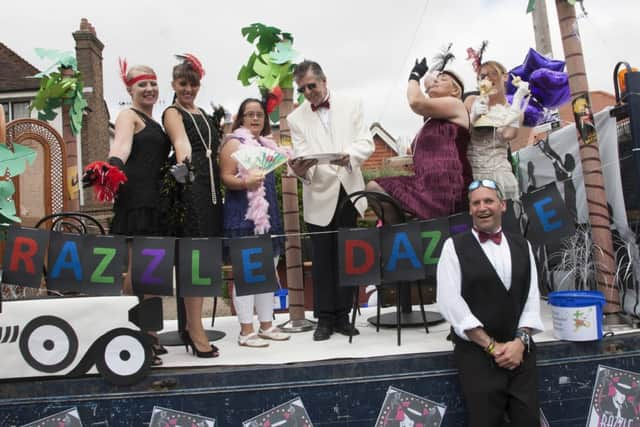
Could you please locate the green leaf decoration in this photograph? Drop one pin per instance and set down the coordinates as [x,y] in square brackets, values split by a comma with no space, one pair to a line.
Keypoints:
[267,36]
[286,81]
[272,63]
[16,161]
[283,53]
[7,206]
[262,66]
[56,90]
[531,6]
[274,117]
[571,2]
[66,59]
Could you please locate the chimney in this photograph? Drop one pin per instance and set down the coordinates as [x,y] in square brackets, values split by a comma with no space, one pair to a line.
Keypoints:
[95,126]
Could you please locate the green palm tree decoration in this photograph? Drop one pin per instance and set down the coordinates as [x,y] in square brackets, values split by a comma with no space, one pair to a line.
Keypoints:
[61,84]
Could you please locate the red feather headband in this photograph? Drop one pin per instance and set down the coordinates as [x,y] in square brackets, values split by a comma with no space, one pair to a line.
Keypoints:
[475,56]
[195,63]
[130,82]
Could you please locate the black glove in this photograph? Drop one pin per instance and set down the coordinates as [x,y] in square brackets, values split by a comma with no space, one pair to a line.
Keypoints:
[419,70]
[116,161]
[183,173]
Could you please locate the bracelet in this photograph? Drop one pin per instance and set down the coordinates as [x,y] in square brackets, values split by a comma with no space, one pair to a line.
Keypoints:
[491,347]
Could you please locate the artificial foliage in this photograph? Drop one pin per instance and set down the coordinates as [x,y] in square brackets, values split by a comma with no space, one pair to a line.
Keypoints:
[271,65]
[58,89]
[12,163]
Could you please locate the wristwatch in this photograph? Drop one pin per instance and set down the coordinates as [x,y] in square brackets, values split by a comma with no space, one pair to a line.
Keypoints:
[524,336]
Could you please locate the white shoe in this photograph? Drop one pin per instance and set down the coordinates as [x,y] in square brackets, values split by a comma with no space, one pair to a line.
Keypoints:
[274,334]
[251,340]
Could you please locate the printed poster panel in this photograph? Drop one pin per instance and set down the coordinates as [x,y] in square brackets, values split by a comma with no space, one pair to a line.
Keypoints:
[401,408]
[289,414]
[164,417]
[67,418]
[615,399]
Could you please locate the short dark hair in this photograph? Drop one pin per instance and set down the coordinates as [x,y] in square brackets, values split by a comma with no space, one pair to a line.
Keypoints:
[302,68]
[186,71]
[237,122]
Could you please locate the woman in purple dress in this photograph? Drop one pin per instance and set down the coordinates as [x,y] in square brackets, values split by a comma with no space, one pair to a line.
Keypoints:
[441,169]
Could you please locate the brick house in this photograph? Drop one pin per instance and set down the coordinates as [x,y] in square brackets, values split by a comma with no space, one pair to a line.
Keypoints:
[60,154]
[385,147]
[16,88]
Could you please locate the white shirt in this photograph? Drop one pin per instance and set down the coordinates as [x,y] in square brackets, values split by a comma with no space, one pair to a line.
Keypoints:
[449,290]
[323,113]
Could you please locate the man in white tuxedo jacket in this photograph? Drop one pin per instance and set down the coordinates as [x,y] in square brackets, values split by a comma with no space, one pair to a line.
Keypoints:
[328,123]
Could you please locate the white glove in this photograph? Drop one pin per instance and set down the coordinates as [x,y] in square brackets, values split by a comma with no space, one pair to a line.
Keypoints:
[479,108]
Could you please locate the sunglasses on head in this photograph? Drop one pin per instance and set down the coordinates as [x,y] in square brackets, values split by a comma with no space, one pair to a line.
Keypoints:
[310,86]
[487,183]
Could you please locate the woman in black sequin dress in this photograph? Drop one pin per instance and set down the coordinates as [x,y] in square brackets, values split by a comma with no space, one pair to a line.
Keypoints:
[195,138]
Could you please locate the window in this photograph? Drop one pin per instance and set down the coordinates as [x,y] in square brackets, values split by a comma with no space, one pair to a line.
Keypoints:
[5,107]
[19,110]
[15,110]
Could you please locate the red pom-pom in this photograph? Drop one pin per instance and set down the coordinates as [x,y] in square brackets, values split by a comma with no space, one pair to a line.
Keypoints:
[105,180]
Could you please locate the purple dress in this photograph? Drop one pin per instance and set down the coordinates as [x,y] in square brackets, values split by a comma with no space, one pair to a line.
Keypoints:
[441,172]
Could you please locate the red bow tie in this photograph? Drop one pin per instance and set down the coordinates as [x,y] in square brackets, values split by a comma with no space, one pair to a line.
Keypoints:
[495,237]
[323,104]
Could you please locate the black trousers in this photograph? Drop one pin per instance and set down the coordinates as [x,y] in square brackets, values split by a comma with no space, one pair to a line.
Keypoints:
[331,302]
[490,391]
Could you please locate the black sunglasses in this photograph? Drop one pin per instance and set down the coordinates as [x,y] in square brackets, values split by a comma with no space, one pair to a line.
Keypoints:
[310,86]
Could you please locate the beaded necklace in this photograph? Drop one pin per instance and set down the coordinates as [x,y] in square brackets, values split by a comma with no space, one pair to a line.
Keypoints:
[207,147]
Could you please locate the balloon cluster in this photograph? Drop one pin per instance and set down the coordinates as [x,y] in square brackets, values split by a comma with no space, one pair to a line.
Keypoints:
[548,83]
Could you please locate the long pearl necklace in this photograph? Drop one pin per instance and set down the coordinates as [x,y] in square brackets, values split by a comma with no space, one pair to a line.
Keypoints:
[208,151]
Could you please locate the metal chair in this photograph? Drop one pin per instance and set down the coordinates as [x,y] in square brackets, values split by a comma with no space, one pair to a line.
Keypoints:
[403,297]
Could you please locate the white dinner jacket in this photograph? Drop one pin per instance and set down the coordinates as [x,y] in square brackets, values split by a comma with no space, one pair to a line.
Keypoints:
[347,134]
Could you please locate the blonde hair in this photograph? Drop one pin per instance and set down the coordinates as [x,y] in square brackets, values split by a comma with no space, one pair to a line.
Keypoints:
[495,65]
[139,69]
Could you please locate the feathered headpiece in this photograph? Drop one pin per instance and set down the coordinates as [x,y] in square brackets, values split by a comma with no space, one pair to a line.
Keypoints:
[445,56]
[193,61]
[475,56]
[122,62]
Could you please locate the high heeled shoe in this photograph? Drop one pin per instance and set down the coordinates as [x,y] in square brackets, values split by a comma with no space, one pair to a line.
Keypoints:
[188,342]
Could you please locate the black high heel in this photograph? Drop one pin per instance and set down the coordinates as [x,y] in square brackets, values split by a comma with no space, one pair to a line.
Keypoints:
[188,342]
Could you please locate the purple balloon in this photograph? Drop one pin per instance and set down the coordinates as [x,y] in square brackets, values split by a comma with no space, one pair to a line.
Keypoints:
[534,61]
[550,88]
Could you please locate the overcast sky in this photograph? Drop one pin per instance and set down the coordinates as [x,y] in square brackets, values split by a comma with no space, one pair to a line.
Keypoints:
[367,48]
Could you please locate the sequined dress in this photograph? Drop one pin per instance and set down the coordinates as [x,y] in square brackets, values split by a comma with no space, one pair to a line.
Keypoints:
[489,159]
[200,216]
[136,205]
[441,172]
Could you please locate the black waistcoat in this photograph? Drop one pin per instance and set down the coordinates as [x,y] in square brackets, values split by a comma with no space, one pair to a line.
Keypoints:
[499,310]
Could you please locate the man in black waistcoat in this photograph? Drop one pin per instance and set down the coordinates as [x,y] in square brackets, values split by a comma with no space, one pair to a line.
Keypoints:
[488,291]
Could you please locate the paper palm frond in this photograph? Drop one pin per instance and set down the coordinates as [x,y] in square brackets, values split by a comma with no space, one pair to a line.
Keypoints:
[261,158]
